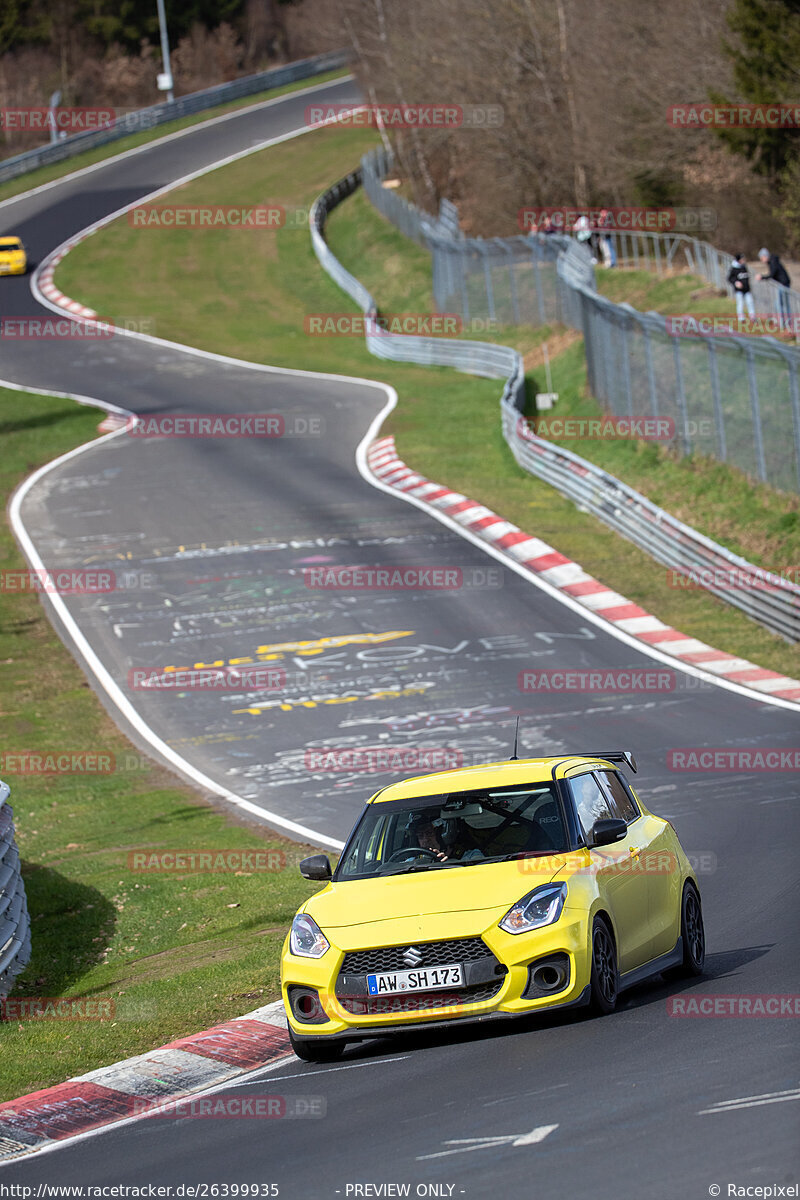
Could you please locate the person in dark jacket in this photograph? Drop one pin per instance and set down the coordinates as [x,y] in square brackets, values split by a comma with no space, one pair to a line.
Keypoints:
[777,272]
[739,279]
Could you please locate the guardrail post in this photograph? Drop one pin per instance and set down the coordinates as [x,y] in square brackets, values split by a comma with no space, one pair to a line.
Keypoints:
[512,281]
[538,281]
[487,276]
[716,399]
[794,392]
[626,368]
[651,372]
[680,396]
[758,436]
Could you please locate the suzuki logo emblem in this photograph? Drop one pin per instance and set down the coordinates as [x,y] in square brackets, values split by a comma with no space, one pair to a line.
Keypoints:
[412,956]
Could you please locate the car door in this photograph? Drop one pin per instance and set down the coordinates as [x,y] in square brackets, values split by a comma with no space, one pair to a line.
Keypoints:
[620,883]
[657,863]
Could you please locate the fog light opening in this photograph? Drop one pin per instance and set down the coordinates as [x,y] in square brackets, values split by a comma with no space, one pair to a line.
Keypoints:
[549,977]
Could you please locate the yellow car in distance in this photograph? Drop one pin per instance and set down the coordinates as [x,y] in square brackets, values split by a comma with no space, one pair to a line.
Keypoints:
[491,892]
[13,259]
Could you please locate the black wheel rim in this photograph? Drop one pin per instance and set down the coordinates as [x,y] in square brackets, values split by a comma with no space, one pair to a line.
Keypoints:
[605,967]
[695,938]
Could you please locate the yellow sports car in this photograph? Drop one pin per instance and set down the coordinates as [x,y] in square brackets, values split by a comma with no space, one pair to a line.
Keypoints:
[491,892]
[13,259]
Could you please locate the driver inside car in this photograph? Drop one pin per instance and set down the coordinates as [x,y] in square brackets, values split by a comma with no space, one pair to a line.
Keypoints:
[425,834]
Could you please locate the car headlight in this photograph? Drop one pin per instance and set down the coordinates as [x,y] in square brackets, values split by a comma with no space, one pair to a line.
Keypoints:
[540,907]
[306,938]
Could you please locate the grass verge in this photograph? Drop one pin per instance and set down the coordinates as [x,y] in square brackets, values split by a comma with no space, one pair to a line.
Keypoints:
[33,179]
[248,294]
[172,953]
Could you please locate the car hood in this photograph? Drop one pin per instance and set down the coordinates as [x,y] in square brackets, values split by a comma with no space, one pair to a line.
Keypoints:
[481,887]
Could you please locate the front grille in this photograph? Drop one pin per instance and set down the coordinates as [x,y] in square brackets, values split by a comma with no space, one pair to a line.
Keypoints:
[377,1006]
[435,954]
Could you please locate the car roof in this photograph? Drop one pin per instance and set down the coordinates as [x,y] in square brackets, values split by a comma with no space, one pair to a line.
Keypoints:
[8,239]
[494,775]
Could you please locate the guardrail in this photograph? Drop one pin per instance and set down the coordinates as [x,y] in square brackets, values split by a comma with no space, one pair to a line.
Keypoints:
[15,930]
[769,599]
[171,110]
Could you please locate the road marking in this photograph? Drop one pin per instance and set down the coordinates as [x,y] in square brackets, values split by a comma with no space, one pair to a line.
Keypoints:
[371,1062]
[751,1101]
[467,1145]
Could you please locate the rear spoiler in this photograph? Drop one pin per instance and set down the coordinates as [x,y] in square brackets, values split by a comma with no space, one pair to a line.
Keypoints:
[619,756]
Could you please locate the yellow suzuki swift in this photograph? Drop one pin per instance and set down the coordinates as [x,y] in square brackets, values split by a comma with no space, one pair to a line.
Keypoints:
[491,892]
[13,259]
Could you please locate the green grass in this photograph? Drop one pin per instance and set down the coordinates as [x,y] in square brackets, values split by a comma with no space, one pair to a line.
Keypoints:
[246,294]
[33,179]
[175,953]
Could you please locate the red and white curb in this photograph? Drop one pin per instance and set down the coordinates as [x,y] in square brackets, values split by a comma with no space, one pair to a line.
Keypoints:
[48,288]
[138,1085]
[570,578]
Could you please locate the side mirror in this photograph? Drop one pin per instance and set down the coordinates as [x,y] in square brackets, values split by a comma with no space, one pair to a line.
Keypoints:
[318,865]
[603,832]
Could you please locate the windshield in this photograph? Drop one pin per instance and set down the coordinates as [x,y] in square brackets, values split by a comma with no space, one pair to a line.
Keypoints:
[461,829]
[10,244]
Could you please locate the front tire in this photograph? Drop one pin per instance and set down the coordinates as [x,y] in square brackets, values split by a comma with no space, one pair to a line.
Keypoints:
[316,1050]
[604,982]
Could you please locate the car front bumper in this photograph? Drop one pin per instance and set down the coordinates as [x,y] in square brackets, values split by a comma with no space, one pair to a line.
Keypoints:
[514,954]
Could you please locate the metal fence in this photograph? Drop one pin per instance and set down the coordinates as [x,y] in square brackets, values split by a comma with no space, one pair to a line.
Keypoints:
[769,599]
[15,931]
[733,397]
[171,110]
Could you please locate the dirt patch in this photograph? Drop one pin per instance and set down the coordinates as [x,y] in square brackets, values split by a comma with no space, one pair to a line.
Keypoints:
[556,344]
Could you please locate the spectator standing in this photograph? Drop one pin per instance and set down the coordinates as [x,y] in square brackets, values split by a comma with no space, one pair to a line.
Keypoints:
[739,279]
[777,272]
[606,222]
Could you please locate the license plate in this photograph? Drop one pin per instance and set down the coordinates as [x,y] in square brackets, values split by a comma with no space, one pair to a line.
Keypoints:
[428,979]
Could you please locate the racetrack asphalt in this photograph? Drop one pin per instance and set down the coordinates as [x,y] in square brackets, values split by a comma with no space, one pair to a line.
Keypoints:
[215,537]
